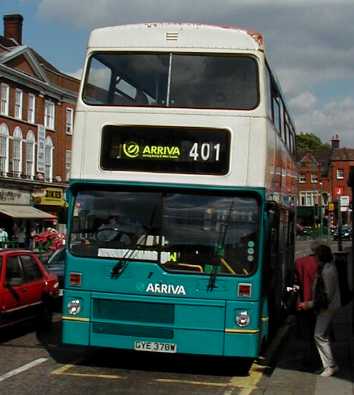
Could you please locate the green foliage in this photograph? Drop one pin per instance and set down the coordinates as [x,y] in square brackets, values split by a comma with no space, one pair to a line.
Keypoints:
[308,142]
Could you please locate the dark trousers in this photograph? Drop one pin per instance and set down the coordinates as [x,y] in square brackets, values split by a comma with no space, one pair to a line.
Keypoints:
[306,321]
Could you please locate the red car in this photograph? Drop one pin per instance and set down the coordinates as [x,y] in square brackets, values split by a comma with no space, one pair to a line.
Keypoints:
[27,290]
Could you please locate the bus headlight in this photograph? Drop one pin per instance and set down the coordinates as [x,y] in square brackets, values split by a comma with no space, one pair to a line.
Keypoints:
[74,307]
[242,318]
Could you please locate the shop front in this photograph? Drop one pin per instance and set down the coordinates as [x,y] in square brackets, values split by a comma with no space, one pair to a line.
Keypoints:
[52,200]
[18,217]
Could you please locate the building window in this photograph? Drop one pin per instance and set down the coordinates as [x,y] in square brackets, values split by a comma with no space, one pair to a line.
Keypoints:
[314,179]
[340,174]
[49,115]
[30,146]
[69,121]
[31,114]
[17,152]
[67,164]
[5,97]
[308,198]
[302,179]
[4,149]
[48,159]
[18,104]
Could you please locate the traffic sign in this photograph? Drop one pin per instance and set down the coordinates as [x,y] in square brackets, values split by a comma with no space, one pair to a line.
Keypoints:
[344,201]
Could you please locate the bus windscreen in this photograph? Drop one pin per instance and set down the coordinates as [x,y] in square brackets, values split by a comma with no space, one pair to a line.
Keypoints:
[181,231]
[177,80]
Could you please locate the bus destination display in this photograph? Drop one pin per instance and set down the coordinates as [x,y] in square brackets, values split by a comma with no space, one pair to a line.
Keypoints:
[165,149]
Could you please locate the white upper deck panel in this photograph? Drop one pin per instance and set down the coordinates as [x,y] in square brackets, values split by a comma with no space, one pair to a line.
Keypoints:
[167,35]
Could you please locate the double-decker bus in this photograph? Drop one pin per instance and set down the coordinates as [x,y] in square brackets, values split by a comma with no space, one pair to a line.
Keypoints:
[182,191]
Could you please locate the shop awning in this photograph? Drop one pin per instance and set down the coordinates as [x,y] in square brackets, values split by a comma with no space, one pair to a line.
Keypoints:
[25,212]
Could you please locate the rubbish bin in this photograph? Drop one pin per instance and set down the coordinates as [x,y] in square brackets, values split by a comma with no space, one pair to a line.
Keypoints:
[341,262]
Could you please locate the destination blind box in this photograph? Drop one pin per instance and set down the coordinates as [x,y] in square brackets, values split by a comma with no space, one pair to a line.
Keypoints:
[165,149]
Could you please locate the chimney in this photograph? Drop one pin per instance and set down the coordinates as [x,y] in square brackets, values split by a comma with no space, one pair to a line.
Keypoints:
[13,27]
[335,142]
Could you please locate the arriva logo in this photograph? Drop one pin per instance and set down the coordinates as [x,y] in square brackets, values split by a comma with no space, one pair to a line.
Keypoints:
[131,149]
[165,289]
[161,151]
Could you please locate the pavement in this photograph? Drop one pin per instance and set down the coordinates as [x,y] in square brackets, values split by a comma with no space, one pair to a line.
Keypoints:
[291,376]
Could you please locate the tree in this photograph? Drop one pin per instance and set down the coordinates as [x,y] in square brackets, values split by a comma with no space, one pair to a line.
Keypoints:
[308,142]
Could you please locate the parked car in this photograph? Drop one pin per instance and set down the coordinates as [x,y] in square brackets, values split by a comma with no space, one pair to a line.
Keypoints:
[27,290]
[346,233]
[55,264]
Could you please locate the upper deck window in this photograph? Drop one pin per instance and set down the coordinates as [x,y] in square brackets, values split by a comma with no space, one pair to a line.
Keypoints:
[172,80]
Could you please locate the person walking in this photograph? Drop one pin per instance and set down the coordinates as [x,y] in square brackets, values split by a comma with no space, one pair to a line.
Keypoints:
[305,272]
[326,275]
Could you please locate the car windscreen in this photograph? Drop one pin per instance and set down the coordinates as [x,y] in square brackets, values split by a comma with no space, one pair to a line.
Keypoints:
[211,81]
[181,231]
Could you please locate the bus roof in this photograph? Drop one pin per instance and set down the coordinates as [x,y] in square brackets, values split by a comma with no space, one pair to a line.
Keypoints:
[175,35]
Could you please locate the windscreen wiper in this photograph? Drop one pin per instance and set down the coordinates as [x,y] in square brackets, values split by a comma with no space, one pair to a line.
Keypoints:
[122,264]
[119,268]
[219,249]
[212,278]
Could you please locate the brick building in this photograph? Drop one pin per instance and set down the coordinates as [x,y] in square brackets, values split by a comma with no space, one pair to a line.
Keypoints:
[313,190]
[36,125]
[341,161]
[322,182]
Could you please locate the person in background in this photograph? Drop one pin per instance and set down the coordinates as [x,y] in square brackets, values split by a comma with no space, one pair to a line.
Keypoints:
[324,316]
[305,272]
[21,237]
[4,237]
[32,242]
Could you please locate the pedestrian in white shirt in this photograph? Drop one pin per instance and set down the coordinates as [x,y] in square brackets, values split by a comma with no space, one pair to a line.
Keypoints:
[324,316]
[4,237]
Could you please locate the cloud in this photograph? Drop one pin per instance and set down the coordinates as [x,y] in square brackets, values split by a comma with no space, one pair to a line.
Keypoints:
[302,37]
[335,117]
[310,44]
[304,102]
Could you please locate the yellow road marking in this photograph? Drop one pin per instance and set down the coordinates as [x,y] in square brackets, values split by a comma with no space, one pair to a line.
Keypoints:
[100,376]
[65,371]
[206,383]
[248,383]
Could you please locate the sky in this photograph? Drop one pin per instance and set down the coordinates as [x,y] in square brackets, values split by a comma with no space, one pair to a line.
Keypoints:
[310,44]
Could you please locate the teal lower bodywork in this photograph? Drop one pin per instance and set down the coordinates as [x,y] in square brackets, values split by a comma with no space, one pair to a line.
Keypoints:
[194,326]
[119,312]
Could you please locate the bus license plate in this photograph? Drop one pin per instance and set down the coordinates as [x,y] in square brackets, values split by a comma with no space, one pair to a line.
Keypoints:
[155,346]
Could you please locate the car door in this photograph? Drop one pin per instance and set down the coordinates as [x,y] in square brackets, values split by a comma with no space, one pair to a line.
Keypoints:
[14,292]
[34,280]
